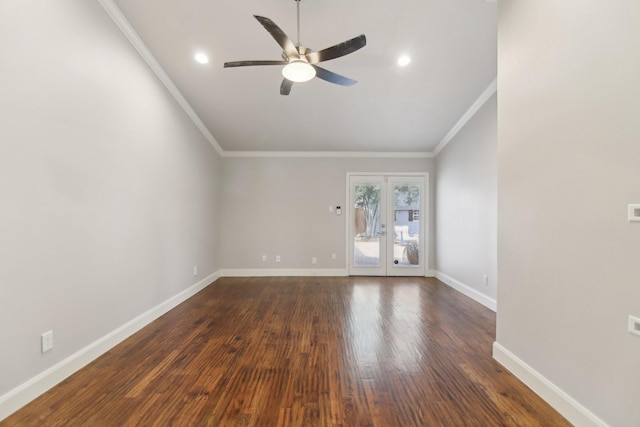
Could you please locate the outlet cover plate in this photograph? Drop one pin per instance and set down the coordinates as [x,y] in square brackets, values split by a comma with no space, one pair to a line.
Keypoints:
[46,341]
[634,325]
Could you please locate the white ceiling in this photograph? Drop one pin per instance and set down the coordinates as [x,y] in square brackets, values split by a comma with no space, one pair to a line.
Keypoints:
[452,44]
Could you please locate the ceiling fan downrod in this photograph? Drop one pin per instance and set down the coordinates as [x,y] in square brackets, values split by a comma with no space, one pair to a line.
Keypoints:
[298,10]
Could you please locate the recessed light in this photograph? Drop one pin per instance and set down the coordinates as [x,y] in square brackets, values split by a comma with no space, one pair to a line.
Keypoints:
[202,58]
[404,60]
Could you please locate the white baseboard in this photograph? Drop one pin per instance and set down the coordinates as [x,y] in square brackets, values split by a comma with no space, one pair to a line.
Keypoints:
[292,272]
[488,302]
[289,272]
[26,392]
[573,411]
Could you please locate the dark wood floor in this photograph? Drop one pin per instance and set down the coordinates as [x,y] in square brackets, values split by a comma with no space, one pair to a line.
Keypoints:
[302,352]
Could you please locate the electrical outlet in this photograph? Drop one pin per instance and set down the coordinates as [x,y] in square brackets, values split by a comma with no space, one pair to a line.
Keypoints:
[314,260]
[634,212]
[277,258]
[46,341]
[195,271]
[264,258]
[333,256]
[485,280]
[634,325]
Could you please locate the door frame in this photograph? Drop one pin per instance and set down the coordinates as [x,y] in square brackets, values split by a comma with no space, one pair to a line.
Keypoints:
[425,204]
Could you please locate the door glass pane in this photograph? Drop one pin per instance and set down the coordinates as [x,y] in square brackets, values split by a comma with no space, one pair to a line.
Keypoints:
[406,225]
[366,243]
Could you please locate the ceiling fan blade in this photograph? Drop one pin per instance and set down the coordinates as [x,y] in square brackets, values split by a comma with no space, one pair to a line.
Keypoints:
[250,63]
[285,87]
[336,51]
[279,36]
[331,77]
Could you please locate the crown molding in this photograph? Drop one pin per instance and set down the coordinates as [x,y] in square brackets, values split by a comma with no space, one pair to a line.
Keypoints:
[114,12]
[328,154]
[482,99]
[136,41]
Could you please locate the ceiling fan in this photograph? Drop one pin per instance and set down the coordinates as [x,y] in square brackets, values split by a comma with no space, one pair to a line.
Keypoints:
[300,62]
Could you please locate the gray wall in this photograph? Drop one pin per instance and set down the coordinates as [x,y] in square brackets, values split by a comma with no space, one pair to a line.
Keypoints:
[108,191]
[568,165]
[466,203]
[280,206]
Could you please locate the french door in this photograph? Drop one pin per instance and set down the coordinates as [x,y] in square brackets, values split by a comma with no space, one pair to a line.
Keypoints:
[387,218]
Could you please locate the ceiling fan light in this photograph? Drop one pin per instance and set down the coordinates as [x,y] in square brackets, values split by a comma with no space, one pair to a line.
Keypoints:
[298,71]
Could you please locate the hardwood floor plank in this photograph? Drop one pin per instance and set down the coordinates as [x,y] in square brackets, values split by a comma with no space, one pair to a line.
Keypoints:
[302,351]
